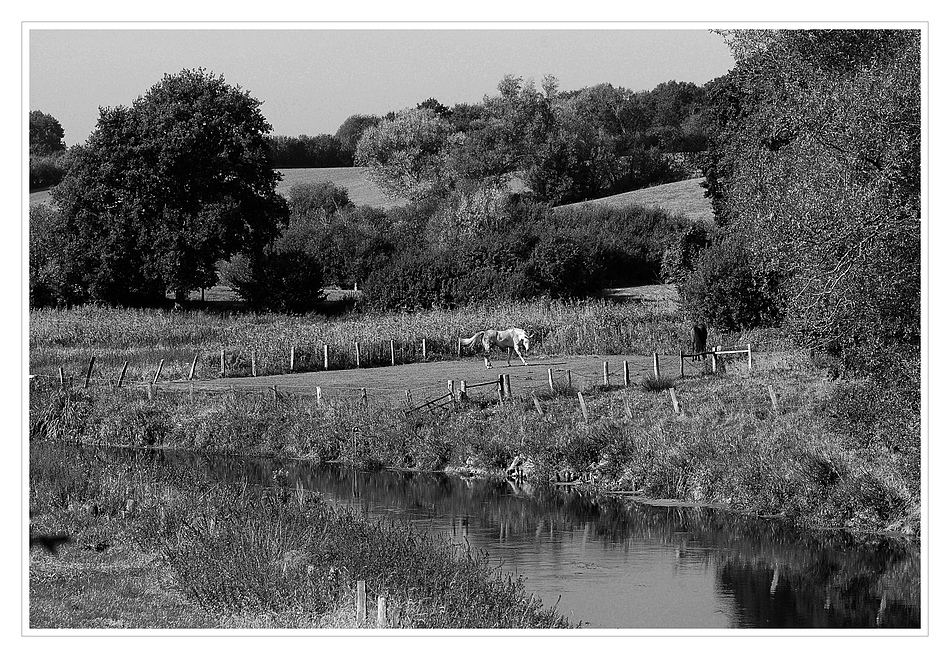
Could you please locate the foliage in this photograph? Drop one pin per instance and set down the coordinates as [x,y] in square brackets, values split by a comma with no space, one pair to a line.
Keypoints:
[729,290]
[47,151]
[306,151]
[47,170]
[316,200]
[350,132]
[564,146]
[405,153]
[682,252]
[816,160]
[54,279]
[46,134]
[280,280]
[166,188]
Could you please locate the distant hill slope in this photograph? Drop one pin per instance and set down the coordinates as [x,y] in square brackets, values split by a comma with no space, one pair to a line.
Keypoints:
[362,191]
[684,197]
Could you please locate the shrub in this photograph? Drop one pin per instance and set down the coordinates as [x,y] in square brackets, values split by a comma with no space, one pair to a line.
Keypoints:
[288,281]
[55,278]
[729,291]
[317,200]
[46,170]
[682,252]
[413,280]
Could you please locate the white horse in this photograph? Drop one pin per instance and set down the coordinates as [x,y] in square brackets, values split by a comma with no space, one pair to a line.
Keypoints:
[513,338]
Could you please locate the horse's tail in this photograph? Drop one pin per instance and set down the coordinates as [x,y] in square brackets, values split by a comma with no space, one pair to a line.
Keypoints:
[468,342]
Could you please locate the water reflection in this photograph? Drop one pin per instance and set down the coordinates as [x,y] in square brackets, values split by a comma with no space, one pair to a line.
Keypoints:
[620,564]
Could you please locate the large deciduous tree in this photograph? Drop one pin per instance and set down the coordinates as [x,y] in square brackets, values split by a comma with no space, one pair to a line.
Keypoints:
[165,188]
[817,165]
[406,154]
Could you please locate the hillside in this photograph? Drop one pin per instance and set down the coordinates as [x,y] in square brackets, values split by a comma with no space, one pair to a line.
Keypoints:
[684,197]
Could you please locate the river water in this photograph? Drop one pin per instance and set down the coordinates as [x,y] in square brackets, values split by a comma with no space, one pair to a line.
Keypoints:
[610,563]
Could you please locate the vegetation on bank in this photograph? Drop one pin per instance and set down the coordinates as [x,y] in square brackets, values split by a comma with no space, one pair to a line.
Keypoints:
[237,554]
[834,453]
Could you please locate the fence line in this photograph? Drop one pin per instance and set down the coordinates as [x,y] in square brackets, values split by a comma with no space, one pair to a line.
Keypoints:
[563,382]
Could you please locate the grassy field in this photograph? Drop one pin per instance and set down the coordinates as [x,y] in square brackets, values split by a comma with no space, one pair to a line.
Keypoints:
[683,197]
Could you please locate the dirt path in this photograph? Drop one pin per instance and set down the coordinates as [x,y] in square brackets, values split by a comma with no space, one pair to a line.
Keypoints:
[429,380]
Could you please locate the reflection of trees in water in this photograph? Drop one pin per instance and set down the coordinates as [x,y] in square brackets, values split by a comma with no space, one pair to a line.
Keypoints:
[779,576]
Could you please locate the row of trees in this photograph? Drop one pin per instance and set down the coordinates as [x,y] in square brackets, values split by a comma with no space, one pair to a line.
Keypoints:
[564,146]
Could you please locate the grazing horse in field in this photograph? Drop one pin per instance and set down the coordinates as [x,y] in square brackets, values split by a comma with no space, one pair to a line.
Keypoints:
[513,338]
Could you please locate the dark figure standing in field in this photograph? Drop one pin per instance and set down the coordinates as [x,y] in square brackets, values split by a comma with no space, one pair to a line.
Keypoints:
[699,341]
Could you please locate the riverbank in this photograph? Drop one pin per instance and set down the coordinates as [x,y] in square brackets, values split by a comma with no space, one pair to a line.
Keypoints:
[158,544]
[824,453]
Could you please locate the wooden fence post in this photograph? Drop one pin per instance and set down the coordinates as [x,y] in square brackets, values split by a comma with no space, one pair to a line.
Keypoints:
[774,400]
[463,393]
[551,379]
[89,372]
[682,365]
[157,372]
[62,378]
[676,404]
[537,404]
[293,353]
[223,369]
[626,373]
[326,356]
[392,351]
[274,391]
[357,354]
[194,366]
[460,347]
[606,375]
[451,388]
[507,379]
[148,390]
[569,385]
[580,396]
[423,349]
[121,375]
[363,396]
[656,365]
[191,393]
[319,396]
[501,389]
[750,357]
[360,602]
[626,406]
[381,612]
[715,361]
[253,363]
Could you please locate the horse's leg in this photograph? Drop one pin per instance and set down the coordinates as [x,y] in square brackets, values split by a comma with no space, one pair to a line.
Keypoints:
[509,357]
[518,352]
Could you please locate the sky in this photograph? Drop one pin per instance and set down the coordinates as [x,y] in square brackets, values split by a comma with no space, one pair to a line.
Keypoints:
[311,80]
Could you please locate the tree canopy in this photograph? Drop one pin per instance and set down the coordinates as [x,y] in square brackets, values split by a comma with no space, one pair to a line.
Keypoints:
[816,164]
[165,188]
[46,134]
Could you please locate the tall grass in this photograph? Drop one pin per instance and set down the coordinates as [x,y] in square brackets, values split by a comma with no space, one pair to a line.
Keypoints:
[277,556]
